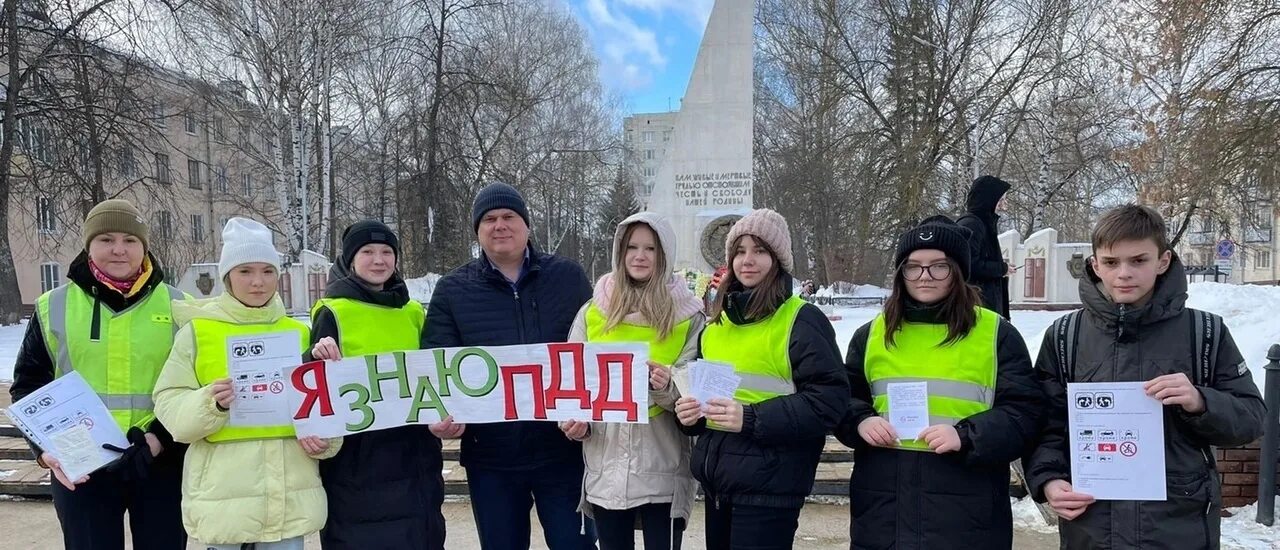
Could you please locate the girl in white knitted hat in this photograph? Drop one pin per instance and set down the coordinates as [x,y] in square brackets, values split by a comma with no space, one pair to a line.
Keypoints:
[243,482]
[757,452]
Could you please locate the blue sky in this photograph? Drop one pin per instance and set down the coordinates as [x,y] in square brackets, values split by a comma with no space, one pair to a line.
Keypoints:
[646,48]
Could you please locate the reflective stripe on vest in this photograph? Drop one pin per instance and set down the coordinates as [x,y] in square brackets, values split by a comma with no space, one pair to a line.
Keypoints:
[123,363]
[759,353]
[961,377]
[365,328]
[661,351]
[211,364]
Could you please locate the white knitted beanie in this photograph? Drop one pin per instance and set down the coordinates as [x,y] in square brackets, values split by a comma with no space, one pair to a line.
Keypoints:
[245,241]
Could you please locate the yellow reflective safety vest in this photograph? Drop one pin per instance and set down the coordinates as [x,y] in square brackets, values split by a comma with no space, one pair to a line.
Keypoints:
[120,355]
[961,377]
[211,341]
[365,328]
[664,351]
[759,353]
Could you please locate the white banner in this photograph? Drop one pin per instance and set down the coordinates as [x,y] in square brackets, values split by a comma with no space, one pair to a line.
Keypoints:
[552,382]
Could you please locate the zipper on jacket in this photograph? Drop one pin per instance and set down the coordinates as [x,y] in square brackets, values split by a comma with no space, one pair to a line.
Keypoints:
[1124,309]
[95,327]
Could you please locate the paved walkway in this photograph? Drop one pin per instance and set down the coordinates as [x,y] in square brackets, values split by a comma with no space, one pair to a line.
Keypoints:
[822,527]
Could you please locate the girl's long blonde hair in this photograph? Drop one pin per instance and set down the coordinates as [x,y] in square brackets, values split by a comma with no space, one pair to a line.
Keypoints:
[650,299]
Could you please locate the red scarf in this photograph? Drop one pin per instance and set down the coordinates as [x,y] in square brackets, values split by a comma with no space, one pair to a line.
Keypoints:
[123,286]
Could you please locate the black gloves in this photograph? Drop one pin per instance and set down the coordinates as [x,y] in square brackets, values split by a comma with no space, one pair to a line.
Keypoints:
[135,462]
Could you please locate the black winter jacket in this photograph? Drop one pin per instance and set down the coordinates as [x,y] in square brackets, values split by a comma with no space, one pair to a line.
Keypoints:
[34,367]
[475,305]
[912,500]
[384,487]
[772,462]
[989,271]
[1121,343]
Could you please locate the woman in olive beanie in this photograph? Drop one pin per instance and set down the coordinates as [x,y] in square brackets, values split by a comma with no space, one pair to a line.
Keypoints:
[114,299]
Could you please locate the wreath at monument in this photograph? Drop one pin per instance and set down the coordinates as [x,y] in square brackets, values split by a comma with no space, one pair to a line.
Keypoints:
[713,236]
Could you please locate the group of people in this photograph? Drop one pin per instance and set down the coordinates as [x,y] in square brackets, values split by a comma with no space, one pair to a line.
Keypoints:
[159,360]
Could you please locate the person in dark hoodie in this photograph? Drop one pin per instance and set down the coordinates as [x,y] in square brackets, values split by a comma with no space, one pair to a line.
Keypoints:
[989,272]
[513,294]
[385,487]
[116,297]
[757,453]
[1136,327]
[947,486]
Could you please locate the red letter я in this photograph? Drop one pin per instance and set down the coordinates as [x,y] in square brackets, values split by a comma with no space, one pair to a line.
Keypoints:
[556,391]
[319,393]
[534,372]
[628,402]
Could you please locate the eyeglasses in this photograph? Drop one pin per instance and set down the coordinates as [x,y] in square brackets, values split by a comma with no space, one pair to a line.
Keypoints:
[937,272]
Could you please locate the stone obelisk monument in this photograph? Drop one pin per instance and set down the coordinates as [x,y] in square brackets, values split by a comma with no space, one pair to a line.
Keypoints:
[705,184]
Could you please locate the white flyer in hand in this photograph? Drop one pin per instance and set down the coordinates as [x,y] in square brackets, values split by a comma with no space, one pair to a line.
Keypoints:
[68,420]
[1117,441]
[909,408]
[256,364]
[711,380]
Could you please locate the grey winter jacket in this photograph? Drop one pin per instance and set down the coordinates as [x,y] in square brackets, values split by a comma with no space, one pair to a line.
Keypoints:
[1120,343]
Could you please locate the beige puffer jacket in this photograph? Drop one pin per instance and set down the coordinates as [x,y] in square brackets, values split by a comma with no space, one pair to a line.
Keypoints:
[630,465]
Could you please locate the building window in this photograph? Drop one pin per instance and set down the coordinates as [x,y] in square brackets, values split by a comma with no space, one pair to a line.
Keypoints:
[246,184]
[50,276]
[649,154]
[189,122]
[46,218]
[220,179]
[193,173]
[164,225]
[648,137]
[1262,259]
[157,111]
[197,228]
[650,171]
[666,136]
[246,136]
[162,168]
[128,165]
[219,129]
[36,141]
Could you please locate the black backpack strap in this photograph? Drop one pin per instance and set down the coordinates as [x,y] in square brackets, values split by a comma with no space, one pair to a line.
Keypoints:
[1066,340]
[1206,332]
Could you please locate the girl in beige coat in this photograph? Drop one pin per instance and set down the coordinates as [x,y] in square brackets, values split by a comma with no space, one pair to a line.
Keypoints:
[637,473]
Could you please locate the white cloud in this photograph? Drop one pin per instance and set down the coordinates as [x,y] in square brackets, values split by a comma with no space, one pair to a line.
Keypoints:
[621,36]
[694,12]
[629,51]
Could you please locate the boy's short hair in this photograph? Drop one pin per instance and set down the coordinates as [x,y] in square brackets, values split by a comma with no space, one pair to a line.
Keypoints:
[1131,222]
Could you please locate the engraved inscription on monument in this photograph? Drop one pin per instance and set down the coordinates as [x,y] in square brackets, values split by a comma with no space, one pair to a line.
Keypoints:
[721,189]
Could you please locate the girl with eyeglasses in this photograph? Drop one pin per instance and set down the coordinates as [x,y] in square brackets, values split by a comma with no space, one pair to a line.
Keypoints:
[941,479]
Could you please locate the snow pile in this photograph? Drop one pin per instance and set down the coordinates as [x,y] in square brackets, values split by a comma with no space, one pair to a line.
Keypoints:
[1026,517]
[10,341]
[850,290]
[1249,311]
[1241,532]
[420,289]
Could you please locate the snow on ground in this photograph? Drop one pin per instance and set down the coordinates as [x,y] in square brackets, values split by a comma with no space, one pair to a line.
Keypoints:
[10,341]
[1240,531]
[420,289]
[1249,312]
[1026,517]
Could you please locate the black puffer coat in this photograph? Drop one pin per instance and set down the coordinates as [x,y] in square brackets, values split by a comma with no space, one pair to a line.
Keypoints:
[989,271]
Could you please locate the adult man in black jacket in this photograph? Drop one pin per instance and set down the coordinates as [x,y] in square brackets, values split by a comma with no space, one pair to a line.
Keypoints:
[990,272]
[513,294]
